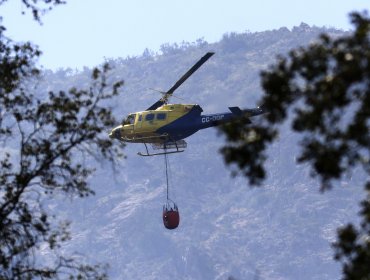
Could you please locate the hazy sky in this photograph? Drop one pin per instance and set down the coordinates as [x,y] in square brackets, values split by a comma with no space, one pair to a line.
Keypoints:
[81,33]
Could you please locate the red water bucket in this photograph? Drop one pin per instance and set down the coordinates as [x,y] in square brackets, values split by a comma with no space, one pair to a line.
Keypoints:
[171,216]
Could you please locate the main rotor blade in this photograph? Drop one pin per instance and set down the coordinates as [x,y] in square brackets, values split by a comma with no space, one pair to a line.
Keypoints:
[195,67]
[190,72]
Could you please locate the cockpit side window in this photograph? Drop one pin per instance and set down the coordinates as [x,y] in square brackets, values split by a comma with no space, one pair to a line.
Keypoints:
[129,120]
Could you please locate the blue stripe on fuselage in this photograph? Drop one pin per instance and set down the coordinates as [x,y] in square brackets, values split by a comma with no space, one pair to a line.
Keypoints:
[184,126]
[192,122]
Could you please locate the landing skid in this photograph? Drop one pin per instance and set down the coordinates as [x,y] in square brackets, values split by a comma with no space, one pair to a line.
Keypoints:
[179,147]
[157,154]
[147,139]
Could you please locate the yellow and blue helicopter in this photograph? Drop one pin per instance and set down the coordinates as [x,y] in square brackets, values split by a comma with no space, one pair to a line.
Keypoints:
[165,126]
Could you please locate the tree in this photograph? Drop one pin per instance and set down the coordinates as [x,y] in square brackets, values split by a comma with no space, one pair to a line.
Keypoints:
[39,7]
[324,89]
[44,143]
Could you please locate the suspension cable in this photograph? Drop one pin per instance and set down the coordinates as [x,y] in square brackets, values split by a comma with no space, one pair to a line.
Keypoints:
[166,164]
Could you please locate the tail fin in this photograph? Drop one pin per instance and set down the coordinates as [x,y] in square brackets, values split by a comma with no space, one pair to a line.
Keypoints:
[236,111]
[239,113]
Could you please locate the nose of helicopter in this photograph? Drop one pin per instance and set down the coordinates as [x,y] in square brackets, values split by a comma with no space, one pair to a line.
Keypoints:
[115,133]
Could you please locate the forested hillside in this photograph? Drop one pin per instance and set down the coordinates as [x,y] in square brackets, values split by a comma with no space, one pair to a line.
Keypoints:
[281,230]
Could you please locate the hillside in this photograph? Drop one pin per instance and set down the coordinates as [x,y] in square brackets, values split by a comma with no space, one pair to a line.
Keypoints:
[282,230]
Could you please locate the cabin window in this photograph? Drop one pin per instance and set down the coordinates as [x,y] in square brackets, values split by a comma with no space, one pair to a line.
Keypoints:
[161,116]
[140,118]
[149,117]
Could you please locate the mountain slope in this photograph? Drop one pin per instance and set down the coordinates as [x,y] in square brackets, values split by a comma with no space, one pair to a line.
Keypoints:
[282,230]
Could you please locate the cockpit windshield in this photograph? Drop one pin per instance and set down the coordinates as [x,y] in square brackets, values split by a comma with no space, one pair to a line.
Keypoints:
[129,120]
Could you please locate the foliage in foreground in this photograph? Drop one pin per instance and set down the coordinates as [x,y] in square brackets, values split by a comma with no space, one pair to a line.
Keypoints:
[324,89]
[46,144]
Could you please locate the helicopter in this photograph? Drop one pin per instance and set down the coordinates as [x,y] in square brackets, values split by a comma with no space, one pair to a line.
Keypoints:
[165,126]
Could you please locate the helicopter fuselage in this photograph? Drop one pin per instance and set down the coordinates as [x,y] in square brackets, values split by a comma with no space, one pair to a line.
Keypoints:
[164,125]
[172,122]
